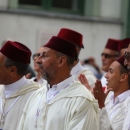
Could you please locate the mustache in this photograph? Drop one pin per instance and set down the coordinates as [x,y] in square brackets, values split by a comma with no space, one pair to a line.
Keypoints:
[41,66]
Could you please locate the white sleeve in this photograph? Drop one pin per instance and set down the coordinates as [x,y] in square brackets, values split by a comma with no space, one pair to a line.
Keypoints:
[104,122]
[126,124]
[107,124]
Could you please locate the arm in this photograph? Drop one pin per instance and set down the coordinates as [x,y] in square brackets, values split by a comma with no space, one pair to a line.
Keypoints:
[98,93]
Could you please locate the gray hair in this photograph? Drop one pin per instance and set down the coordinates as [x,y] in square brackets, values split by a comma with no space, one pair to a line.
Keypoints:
[21,68]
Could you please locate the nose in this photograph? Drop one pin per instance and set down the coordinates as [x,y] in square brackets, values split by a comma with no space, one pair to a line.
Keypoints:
[106,76]
[35,59]
[103,58]
[125,62]
[38,60]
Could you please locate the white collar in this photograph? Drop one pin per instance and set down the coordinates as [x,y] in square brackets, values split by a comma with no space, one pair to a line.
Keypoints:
[11,88]
[120,98]
[63,84]
[77,68]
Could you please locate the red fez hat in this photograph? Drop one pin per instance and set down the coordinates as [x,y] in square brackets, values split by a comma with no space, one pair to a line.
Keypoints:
[62,46]
[112,44]
[121,61]
[16,51]
[124,43]
[72,36]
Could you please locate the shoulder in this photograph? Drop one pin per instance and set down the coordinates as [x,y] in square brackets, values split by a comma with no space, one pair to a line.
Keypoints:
[78,90]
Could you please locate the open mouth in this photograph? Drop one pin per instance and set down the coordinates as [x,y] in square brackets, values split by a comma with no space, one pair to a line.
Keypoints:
[107,82]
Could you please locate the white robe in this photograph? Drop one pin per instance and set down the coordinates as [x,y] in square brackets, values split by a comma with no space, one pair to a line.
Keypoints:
[74,108]
[13,116]
[79,69]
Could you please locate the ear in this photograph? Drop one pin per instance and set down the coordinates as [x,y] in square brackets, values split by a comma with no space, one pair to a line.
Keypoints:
[13,70]
[124,77]
[61,61]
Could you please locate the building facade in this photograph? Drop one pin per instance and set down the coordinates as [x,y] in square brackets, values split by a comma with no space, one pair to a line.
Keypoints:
[33,22]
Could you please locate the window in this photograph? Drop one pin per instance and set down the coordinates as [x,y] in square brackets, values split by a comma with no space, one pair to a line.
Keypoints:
[63,6]
[30,2]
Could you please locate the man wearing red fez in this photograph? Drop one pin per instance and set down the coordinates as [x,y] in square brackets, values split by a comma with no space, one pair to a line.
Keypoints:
[126,125]
[63,104]
[123,46]
[77,39]
[109,54]
[113,108]
[14,62]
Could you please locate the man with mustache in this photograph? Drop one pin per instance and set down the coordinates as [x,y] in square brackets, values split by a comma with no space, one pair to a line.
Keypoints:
[63,104]
[126,125]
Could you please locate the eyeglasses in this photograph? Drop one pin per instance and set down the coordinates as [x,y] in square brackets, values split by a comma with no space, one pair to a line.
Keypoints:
[108,55]
[36,55]
[127,56]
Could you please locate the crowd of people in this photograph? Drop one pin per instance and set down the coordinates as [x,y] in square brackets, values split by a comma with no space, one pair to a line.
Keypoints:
[65,94]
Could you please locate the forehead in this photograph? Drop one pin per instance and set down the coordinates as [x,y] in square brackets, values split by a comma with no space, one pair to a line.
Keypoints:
[115,65]
[108,51]
[49,50]
[124,50]
[40,49]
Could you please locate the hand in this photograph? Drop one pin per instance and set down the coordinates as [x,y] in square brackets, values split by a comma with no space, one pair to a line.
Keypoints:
[97,91]
[99,94]
[84,81]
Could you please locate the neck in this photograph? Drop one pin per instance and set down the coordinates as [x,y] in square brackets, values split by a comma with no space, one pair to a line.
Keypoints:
[58,79]
[38,76]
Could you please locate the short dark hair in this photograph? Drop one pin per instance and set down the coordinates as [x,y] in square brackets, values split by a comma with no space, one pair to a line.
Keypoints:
[21,68]
[70,60]
[122,71]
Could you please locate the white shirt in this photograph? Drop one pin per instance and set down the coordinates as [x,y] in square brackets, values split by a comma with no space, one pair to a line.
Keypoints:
[52,92]
[12,88]
[126,124]
[113,114]
[113,107]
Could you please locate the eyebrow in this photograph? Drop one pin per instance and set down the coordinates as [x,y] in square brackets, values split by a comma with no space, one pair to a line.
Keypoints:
[111,69]
[43,53]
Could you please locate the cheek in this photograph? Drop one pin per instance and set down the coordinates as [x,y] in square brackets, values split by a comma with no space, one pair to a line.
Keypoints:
[3,77]
[36,65]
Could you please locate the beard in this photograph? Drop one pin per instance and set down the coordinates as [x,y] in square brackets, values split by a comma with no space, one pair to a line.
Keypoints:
[48,73]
